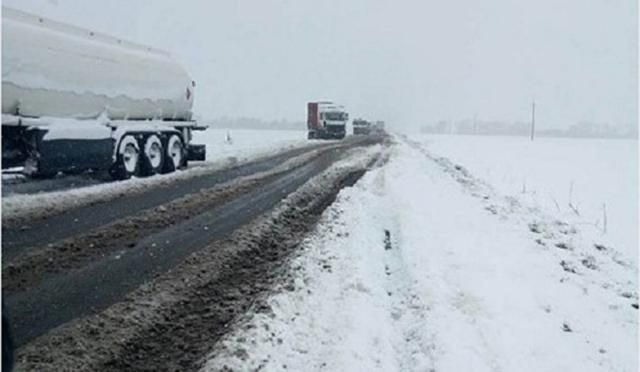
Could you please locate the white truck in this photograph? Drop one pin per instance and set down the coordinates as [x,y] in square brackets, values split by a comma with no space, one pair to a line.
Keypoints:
[361,127]
[326,120]
[378,127]
[74,99]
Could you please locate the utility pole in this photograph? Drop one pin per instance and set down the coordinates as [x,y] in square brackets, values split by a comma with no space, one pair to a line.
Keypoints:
[533,118]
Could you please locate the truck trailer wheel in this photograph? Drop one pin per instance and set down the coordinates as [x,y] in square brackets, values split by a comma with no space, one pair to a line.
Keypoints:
[175,154]
[128,159]
[152,156]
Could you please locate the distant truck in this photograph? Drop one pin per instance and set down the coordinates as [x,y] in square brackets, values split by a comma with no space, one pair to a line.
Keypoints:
[326,120]
[361,127]
[378,127]
[74,99]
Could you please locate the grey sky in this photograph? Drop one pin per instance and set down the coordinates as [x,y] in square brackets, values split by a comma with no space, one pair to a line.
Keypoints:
[409,62]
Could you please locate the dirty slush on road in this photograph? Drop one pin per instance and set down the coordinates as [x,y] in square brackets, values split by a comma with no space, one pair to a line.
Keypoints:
[145,305]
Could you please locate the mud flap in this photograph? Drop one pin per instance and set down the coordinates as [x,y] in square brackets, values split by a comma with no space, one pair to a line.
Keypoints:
[196,152]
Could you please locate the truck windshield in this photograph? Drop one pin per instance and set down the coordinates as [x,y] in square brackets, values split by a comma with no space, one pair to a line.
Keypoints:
[335,115]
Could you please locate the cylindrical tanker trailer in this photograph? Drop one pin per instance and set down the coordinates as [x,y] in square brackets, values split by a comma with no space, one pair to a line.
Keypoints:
[74,99]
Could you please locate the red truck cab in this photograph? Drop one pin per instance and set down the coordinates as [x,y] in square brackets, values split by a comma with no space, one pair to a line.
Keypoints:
[326,120]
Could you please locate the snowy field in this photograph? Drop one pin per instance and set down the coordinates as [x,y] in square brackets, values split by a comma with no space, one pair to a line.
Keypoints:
[585,181]
[421,266]
[237,143]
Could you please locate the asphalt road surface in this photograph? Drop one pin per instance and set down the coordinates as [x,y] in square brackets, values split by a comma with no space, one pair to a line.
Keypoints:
[79,262]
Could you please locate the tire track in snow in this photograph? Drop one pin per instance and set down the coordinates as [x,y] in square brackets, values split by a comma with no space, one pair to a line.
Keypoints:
[415,342]
[414,345]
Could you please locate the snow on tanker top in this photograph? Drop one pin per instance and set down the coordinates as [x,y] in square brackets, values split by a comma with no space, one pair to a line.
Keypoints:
[53,69]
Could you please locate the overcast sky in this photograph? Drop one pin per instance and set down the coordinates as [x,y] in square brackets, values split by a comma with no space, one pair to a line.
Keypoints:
[408,62]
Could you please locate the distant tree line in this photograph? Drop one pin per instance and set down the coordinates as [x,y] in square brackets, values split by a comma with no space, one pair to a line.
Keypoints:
[583,129]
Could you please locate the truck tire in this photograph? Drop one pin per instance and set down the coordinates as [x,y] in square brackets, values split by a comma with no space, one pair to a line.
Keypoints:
[311,135]
[127,162]
[175,157]
[153,156]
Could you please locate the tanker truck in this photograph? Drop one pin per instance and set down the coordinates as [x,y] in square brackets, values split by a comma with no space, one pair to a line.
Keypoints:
[326,120]
[76,100]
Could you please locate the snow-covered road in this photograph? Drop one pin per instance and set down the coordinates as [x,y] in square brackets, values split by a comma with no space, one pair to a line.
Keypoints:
[421,266]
